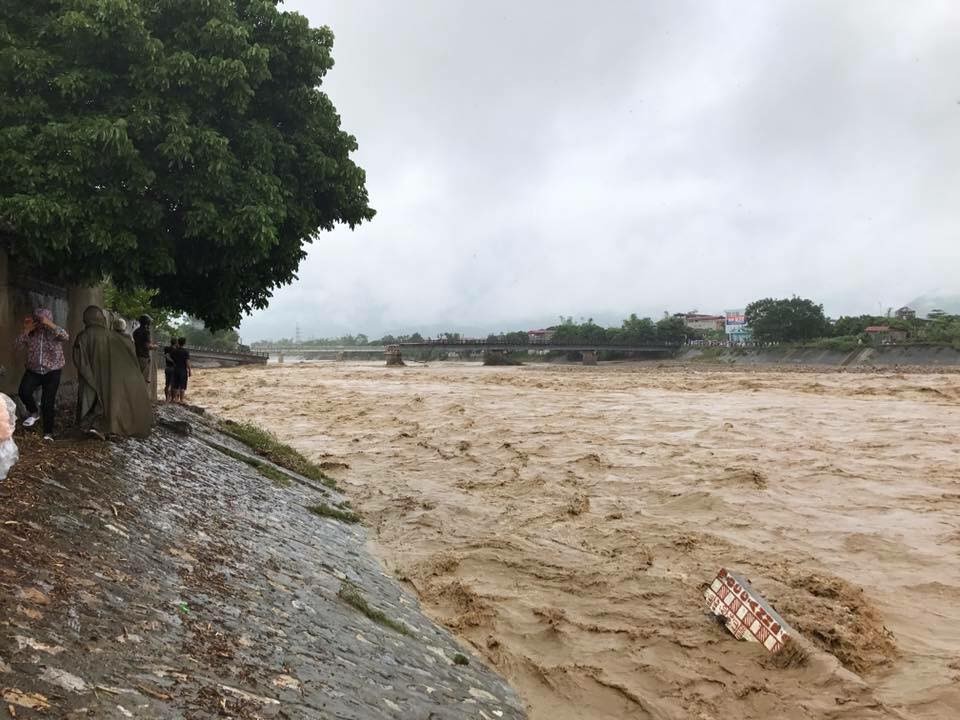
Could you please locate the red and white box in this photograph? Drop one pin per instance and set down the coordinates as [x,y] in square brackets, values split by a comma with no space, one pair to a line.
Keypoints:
[746,614]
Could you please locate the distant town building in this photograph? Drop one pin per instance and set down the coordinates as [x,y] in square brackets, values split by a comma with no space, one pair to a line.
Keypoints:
[906,313]
[540,337]
[736,328]
[885,335]
[697,321]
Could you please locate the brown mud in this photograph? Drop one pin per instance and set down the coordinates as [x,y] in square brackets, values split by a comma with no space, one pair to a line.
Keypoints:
[564,521]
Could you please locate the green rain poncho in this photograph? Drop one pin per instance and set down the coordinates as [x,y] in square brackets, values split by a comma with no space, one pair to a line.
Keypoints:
[113,396]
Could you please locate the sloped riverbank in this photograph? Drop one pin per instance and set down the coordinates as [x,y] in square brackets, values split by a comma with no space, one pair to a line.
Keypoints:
[172,578]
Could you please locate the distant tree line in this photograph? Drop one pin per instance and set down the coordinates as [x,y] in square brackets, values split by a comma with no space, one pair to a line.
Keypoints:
[785,320]
[633,330]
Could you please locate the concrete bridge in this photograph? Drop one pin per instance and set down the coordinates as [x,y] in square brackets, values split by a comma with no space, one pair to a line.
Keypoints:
[208,357]
[280,353]
[462,348]
[587,351]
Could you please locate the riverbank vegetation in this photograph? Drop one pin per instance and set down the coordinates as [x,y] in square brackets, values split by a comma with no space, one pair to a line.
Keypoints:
[266,445]
[342,514]
[353,596]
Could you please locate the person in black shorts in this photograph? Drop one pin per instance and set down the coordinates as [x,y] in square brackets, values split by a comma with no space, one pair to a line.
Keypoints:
[143,342]
[181,370]
[168,369]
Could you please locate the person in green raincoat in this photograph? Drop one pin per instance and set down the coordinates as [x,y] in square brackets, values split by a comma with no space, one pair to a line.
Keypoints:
[113,398]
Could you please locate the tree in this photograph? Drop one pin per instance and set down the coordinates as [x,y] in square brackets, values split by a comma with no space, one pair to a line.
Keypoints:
[586,333]
[943,328]
[197,335]
[636,330]
[673,329]
[847,325]
[131,304]
[787,320]
[178,145]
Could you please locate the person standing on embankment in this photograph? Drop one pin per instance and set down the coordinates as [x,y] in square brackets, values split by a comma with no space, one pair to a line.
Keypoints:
[44,341]
[181,370]
[145,345]
[168,369]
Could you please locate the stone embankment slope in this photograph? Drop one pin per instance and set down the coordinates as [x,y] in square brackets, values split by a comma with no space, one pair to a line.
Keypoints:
[865,358]
[167,579]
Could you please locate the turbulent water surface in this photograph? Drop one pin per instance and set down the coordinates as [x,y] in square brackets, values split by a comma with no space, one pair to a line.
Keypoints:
[564,521]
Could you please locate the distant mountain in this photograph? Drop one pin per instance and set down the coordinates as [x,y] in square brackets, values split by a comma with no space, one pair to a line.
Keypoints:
[925,303]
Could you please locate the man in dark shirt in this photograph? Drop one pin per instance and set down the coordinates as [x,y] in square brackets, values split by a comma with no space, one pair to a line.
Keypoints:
[144,344]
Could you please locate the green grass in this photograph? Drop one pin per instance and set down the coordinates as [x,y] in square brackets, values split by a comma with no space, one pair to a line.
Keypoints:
[277,477]
[352,596]
[271,473]
[344,515]
[266,445]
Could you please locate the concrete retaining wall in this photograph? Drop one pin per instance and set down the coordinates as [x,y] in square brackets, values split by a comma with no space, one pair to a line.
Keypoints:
[883,356]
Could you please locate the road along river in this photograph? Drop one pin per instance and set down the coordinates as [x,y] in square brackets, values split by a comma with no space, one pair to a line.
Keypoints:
[564,521]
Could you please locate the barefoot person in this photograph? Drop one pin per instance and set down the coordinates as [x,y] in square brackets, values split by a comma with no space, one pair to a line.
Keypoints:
[113,398]
[168,369]
[181,370]
[44,343]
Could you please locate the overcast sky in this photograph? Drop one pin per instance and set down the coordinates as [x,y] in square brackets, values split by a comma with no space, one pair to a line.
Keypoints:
[534,158]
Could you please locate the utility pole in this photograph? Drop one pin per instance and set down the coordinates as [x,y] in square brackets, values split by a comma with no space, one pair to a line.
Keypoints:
[297,340]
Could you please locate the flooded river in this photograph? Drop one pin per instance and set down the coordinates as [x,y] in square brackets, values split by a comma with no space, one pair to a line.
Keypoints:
[564,521]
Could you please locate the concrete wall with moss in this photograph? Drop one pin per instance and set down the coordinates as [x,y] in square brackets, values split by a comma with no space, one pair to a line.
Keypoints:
[21,293]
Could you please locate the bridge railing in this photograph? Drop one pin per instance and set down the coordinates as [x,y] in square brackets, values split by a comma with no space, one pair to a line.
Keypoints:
[221,351]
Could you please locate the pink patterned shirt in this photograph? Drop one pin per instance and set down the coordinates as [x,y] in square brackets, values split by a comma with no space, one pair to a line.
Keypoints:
[44,349]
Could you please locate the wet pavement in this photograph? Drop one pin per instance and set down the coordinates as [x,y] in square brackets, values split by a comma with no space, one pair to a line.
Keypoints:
[166,579]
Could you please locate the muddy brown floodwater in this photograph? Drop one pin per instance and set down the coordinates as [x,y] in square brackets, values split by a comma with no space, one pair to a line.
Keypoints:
[564,521]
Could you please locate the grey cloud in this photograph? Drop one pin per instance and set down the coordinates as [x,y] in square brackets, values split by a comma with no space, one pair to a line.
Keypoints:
[537,158]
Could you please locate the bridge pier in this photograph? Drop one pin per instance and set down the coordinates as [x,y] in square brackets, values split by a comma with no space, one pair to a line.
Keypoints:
[589,357]
[393,355]
[495,357]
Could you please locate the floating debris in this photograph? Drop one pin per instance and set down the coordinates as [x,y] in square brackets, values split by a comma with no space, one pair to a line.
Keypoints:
[745,613]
